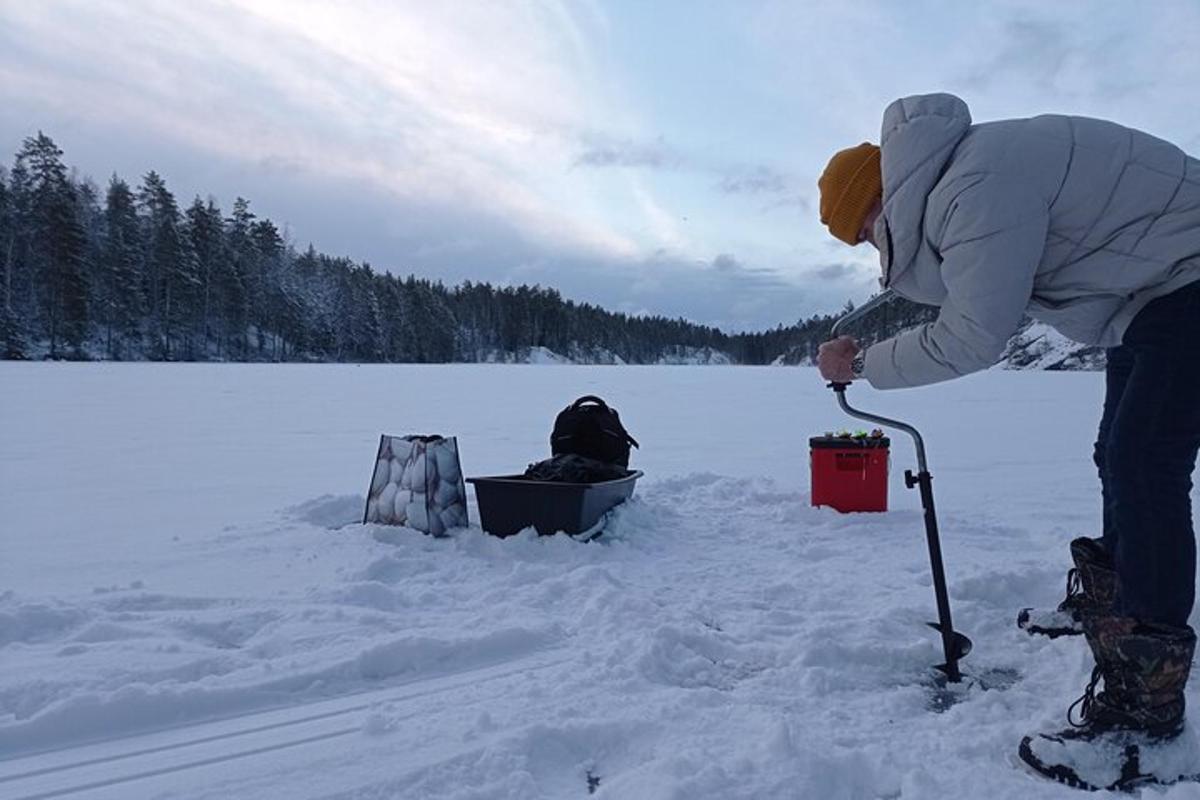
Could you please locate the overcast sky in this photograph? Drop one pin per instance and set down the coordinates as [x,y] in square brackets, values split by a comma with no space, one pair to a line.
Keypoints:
[650,156]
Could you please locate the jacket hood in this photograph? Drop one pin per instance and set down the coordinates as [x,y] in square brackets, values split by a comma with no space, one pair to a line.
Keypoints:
[918,137]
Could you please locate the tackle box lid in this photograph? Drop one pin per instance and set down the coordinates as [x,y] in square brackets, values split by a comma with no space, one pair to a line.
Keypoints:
[849,442]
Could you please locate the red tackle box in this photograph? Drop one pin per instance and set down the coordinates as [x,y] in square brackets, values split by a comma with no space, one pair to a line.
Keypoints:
[849,474]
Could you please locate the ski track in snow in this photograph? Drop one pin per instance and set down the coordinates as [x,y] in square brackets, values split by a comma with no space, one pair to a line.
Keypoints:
[723,639]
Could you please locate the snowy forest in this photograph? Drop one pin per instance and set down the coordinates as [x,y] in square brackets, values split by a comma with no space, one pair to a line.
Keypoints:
[124,272]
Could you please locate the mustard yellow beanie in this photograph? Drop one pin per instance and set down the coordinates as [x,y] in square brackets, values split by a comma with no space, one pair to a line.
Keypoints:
[849,187]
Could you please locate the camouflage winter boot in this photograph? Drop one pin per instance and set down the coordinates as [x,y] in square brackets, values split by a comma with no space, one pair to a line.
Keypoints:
[1091,586]
[1129,733]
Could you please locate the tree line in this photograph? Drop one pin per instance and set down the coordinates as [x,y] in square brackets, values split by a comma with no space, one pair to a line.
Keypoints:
[125,273]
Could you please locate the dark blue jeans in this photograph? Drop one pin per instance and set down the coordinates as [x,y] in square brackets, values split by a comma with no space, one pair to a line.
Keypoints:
[1146,452]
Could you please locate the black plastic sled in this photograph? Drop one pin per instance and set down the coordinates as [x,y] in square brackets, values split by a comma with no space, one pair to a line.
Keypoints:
[511,503]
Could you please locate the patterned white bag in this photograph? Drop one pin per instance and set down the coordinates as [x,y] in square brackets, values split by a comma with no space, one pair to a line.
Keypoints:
[418,483]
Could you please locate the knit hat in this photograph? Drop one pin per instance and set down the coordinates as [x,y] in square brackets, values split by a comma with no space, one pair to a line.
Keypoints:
[849,187]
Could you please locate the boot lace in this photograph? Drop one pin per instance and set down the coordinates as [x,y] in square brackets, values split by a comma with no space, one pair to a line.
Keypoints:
[1075,594]
[1086,703]
[1074,582]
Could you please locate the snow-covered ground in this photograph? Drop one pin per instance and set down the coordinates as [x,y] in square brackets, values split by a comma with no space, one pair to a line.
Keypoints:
[189,608]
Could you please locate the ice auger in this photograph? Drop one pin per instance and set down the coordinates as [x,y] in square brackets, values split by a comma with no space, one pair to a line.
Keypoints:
[955,645]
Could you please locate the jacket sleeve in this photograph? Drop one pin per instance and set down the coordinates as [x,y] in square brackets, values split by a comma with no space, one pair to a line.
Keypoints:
[991,243]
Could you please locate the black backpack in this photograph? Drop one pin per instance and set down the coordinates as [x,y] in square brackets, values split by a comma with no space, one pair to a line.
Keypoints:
[589,428]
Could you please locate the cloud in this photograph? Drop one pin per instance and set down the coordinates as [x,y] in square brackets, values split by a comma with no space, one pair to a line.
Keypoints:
[777,189]
[726,263]
[836,271]
[1033,51]
[755,180]
[800,202]
[643,155]
[729,265]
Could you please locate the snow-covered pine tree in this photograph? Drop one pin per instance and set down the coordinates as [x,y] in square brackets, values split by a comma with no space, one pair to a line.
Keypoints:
[173,274]
[91,218]
[12,340]
[203,227]
[270,305]
[120,300]
[243,255]
[57,247]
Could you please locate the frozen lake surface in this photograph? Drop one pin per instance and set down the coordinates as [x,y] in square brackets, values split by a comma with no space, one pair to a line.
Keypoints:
[190,609]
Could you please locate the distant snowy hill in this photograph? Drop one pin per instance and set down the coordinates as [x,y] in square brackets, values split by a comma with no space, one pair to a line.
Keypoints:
[679,355]
[1035,346]
[1038,346]
[696,356]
